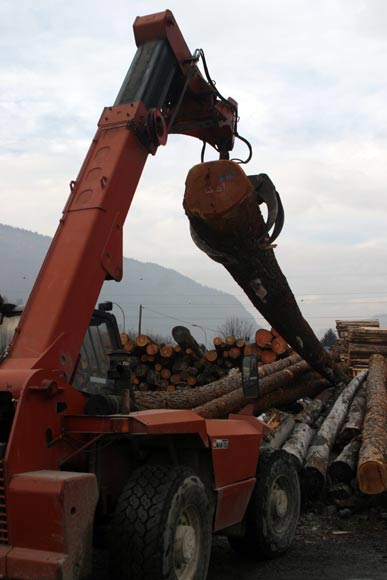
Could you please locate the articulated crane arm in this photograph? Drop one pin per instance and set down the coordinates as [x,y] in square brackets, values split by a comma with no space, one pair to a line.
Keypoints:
[163,93]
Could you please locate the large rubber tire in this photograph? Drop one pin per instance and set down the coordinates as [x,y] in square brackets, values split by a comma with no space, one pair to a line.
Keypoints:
[274,509]
[162,527]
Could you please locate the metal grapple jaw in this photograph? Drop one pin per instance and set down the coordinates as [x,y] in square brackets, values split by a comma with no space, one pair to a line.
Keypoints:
[267,194]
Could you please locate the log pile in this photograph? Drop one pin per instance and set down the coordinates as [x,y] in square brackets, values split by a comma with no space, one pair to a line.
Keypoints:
[343,441]
[184,364]
[332,434]
[372,468]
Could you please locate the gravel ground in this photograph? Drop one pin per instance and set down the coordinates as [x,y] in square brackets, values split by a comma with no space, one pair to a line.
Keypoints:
[327,547]
[330,544]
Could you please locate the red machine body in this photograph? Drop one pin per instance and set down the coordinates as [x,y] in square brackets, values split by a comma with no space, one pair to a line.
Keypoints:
[51,474]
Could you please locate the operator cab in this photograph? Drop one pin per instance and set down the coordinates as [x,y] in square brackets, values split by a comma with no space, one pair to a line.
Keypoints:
[101,339]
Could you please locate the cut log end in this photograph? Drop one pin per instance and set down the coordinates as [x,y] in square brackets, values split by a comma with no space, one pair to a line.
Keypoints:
[372,477]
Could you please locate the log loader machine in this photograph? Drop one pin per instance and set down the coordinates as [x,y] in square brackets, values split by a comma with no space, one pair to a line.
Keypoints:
[160,482]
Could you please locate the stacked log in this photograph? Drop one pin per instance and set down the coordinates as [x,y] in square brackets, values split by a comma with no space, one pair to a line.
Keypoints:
[317,459]
[224,394]
[166,367]
[339,432]
[372,467]
[232,402]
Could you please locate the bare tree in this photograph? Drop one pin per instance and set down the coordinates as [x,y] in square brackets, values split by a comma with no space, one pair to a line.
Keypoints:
[238,327]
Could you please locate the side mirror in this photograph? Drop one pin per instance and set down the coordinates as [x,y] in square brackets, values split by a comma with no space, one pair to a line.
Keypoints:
[250,379]
[105,306]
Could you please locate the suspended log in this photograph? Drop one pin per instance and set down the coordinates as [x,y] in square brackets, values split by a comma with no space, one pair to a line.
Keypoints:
[227,224]
[354,421]
[298,443]
[372,466]
[316,465]
[343,468]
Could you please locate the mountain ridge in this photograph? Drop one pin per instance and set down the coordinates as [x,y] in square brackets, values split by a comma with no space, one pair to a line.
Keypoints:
[166,297]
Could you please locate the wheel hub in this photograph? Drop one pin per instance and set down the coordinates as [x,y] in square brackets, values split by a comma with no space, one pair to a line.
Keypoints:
[185,545]
[280,501]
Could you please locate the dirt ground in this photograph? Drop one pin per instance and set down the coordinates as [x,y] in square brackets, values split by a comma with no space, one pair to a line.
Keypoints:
[327,547]
[330,544]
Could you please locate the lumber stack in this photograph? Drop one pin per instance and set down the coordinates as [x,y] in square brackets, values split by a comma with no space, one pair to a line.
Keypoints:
[185,364]
[363,342]
[344,329]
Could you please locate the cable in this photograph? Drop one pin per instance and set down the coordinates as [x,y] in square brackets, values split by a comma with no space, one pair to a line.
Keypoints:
[178,319]
[234,108]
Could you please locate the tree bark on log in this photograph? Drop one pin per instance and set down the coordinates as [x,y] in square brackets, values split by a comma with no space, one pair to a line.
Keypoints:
[234,401]
[354,421]
[298,443]
[222,207]
[310,413]
[372,466]
[287,394]
[343,468]
[188,399]
[276,437]
[316,465]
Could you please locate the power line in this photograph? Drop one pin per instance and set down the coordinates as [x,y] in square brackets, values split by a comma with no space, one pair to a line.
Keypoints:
[178,319]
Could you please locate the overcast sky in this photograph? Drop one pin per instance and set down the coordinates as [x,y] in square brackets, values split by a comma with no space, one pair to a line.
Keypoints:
[310,77]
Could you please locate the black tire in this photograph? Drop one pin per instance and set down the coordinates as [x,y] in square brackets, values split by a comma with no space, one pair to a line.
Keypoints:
[162,527]
[274,509]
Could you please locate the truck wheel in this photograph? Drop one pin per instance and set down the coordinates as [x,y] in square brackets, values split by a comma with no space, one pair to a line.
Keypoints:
[273,512]
[162,527]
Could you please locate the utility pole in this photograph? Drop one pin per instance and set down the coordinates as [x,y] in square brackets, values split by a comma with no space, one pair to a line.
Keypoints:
[140,319]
